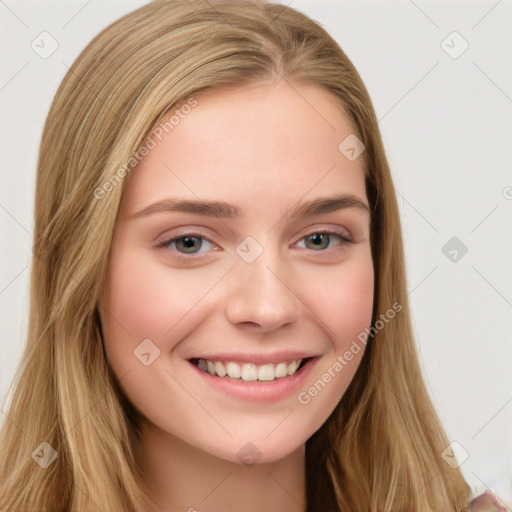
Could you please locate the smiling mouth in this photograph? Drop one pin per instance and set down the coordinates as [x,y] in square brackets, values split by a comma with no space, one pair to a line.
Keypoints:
[250,372]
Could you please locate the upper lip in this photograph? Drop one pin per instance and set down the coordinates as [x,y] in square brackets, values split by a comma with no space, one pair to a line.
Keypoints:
[274,358]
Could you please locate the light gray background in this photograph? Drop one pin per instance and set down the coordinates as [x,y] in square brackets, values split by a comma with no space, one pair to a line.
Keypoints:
[446,124]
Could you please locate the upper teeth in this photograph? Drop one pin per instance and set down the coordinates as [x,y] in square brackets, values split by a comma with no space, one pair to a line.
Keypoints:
[249,371]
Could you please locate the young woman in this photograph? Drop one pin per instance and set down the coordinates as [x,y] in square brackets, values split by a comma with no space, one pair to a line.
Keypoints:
[219,316]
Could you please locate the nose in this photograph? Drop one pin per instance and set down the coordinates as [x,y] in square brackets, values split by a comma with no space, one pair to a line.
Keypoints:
[262,299]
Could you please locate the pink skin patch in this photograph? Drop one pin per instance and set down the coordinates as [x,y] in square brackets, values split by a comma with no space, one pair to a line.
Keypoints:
[486,502]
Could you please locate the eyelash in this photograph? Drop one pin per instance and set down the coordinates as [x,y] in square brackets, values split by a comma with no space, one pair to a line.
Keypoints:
[344,239]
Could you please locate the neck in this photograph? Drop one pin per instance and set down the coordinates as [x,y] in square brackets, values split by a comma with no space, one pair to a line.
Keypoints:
[180,477]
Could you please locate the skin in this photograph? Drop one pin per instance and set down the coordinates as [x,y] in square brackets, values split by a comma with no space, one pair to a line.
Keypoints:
[265,148]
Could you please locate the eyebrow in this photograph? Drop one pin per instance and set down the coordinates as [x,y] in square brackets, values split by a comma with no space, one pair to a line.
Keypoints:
[223,209]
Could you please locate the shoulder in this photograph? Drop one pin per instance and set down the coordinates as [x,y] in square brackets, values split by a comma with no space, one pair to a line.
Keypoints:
[486,502]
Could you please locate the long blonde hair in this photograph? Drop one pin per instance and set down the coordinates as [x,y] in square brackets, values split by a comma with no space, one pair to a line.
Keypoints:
[380,450]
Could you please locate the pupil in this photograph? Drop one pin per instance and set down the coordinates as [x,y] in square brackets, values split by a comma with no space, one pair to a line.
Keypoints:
[189,242]
[319,240]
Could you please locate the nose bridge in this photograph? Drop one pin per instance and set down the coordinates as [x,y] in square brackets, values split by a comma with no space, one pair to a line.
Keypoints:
[262,293]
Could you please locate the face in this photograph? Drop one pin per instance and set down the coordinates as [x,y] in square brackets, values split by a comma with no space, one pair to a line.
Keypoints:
[241,273]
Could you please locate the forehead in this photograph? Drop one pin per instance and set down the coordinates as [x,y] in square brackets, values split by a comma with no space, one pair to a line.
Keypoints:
[274,143]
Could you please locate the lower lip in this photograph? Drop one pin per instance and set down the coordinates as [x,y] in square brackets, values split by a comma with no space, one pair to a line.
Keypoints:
[258,391]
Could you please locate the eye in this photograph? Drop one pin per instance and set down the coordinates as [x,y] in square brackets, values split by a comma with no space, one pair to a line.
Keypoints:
[190,243]
[195,243]
[321,240]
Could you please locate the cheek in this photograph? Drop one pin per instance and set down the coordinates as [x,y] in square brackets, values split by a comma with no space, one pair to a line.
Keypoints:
[137,305]
[134,308]
[344,305]
[344,301]
[149,299]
